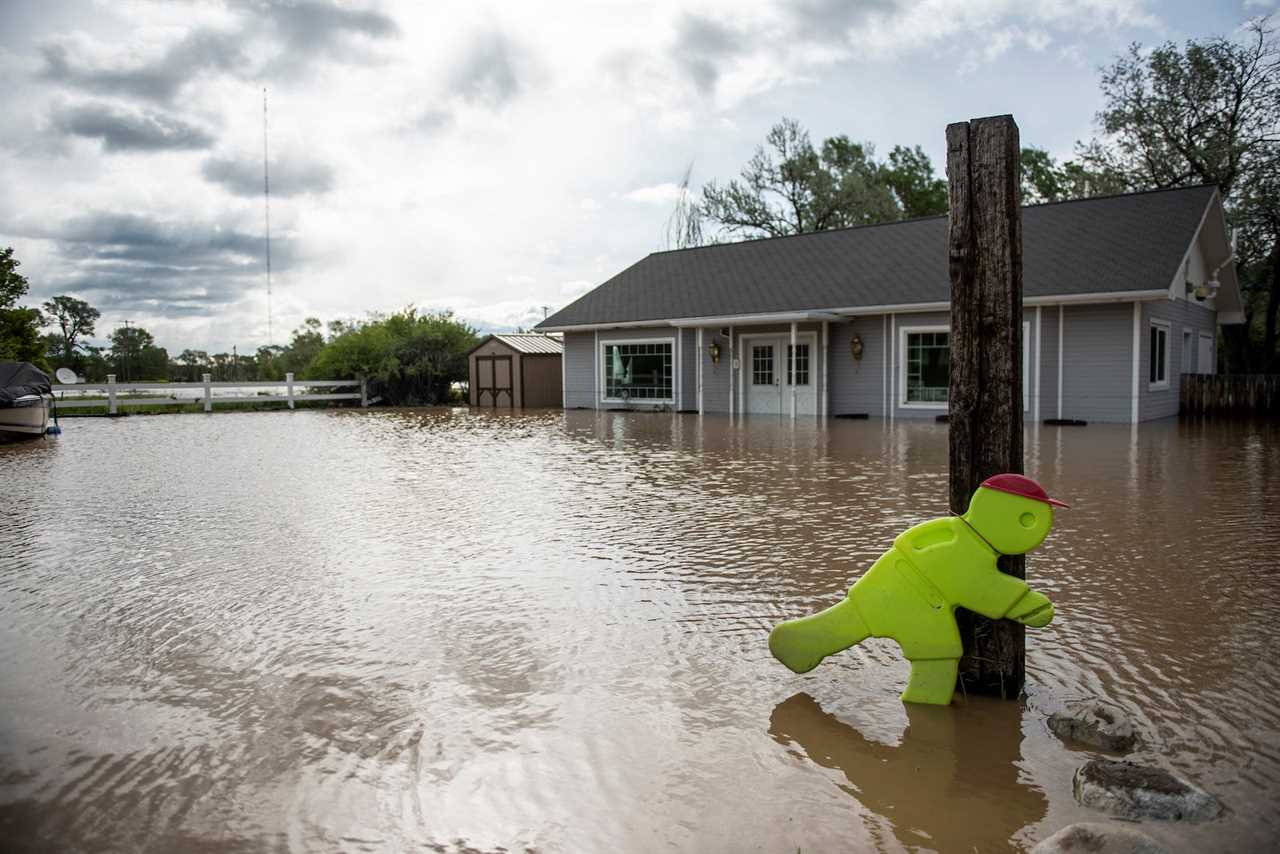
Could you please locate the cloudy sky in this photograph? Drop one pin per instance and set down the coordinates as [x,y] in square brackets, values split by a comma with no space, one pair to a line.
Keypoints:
[488,158]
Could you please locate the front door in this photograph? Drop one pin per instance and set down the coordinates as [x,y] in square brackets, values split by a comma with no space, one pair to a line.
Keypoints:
[773,371]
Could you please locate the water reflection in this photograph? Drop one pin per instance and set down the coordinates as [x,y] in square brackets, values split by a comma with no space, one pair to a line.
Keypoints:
[951,783]
[453,630]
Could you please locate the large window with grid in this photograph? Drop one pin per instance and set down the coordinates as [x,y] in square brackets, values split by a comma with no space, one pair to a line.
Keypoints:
[762,364]
[798,364]
[928,367]
[638,371]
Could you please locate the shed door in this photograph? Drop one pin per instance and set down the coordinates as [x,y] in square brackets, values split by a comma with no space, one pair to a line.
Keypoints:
[493,381]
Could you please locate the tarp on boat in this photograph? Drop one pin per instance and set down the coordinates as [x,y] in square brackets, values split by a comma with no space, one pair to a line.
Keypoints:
[21,378]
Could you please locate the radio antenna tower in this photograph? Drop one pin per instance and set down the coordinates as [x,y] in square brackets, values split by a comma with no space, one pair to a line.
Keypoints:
[266,212]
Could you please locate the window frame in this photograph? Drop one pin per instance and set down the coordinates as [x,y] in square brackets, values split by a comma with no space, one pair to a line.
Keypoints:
[904,331]
[903,336]
[1212,338]
[1166,328]
[605,343]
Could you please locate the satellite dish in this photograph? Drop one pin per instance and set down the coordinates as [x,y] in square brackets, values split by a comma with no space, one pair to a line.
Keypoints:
[66,376]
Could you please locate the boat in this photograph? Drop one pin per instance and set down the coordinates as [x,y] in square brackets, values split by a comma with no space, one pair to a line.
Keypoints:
[26,394]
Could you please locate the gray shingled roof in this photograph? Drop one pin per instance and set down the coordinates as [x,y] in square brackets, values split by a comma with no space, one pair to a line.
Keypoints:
[1116,243]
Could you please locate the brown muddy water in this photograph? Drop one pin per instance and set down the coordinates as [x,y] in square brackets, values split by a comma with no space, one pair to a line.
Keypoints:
[408,630]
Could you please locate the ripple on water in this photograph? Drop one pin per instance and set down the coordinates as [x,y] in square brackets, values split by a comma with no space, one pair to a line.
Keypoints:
[403,629]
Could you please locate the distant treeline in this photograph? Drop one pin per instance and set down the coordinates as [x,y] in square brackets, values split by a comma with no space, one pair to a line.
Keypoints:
[408,357]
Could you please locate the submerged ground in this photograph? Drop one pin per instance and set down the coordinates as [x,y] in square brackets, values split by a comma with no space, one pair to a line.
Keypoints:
[392,629]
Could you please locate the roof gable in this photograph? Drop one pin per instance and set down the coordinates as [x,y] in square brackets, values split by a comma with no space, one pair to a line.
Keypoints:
[1111,244]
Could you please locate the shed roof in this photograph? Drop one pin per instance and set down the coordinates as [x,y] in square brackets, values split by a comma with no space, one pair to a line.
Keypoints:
[529,343]
[1133,242]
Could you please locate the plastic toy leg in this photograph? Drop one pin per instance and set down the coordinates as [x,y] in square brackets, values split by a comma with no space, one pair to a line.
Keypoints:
[933,681]
[802,644]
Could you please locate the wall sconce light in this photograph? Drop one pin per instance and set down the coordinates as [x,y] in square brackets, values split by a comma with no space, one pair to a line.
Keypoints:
[855,346]
[713,349]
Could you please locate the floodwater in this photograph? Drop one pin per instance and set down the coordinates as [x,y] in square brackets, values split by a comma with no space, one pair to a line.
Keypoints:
[453,631]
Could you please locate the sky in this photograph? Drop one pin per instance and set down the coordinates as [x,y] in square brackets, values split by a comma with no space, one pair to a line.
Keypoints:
[488,158]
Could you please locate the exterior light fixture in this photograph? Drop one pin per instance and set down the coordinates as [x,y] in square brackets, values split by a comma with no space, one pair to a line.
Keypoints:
[713,349]
[855,345]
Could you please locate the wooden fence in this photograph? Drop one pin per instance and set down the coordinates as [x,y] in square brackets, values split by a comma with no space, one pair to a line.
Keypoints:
[1256,393]
[113,400]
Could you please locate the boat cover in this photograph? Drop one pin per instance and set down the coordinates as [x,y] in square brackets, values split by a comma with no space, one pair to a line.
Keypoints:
[21,378]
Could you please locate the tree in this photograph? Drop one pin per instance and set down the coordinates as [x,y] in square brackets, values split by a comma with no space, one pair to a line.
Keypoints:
[684,226]
[75,318]
[19,327]
[1208,113]
[789,187]
[910,176]
[1045,180]
[134,355]
[305,344]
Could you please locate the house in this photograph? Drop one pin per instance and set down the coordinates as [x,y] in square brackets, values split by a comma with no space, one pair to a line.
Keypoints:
[516,370]
[1121,296]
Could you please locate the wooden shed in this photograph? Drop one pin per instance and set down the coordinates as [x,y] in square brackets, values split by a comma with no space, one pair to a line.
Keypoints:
[517,370]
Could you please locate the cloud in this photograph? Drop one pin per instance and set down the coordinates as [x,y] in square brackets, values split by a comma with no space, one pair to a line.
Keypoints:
[432,120]
[589,205]
[121,261]
[659,194]
[124,129]
[291,174]
[488,73]
[701,46]
[296,33]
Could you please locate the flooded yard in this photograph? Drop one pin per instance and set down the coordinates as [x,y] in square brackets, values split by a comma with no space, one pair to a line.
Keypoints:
[455,631]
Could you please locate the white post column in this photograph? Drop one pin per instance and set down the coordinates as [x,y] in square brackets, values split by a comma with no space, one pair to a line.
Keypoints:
[208,392]
[791,369]
[111,394]
[364,391]
[826,354]
[1060,327]
[698,372]
[595,363]
[893,362]
[288,381]
[1137,358]
[732,351]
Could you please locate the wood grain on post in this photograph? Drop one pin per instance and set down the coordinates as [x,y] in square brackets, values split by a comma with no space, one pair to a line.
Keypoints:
[985,397]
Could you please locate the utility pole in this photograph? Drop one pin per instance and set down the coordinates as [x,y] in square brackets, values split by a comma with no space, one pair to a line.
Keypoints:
[266,213]
[984,238]
[128,345]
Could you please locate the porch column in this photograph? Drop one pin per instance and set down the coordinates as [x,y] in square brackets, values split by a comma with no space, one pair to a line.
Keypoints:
[1137,358]
[1059,361]
[1035,418]
[791,369]
[595,363]
[698,372]
[826,354]
[732,351]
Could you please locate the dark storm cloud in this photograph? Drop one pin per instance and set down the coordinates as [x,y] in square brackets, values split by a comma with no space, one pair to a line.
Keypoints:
[701,46]
[488,71]
[290,176]
[121,129]
[831,20]
[199,52]
[297,32]
[127,261]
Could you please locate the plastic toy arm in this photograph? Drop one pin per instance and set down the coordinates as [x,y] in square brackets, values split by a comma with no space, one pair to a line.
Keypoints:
[1033,609]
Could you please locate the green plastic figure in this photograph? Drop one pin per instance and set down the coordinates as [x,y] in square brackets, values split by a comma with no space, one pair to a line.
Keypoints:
[910,594]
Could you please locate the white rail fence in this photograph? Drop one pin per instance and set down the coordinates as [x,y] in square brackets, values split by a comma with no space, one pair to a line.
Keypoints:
[113,390]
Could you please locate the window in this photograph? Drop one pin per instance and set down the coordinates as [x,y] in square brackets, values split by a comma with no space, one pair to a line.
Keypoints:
[1186,351]
[928,365]
[1159,374]
[637,370]
[762,364]
[1204,356]
[798,364]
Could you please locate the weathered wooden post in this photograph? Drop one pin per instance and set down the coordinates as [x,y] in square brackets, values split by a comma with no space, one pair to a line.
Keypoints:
[985,251]
[364,393]
[288,379]
[208,392]
[111,394]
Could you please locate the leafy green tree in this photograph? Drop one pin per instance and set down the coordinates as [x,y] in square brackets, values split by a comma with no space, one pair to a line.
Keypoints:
[408,358]
[135,356]
[910,175]
[75,319]
[305,344]
[1208,112]
[19,327]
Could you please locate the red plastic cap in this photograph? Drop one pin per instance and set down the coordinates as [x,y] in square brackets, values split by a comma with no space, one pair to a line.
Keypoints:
[1016,484]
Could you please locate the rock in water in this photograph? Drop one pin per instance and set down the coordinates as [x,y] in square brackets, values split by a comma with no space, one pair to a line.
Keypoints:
[1129,790]
[1096,838]
[1096,724]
